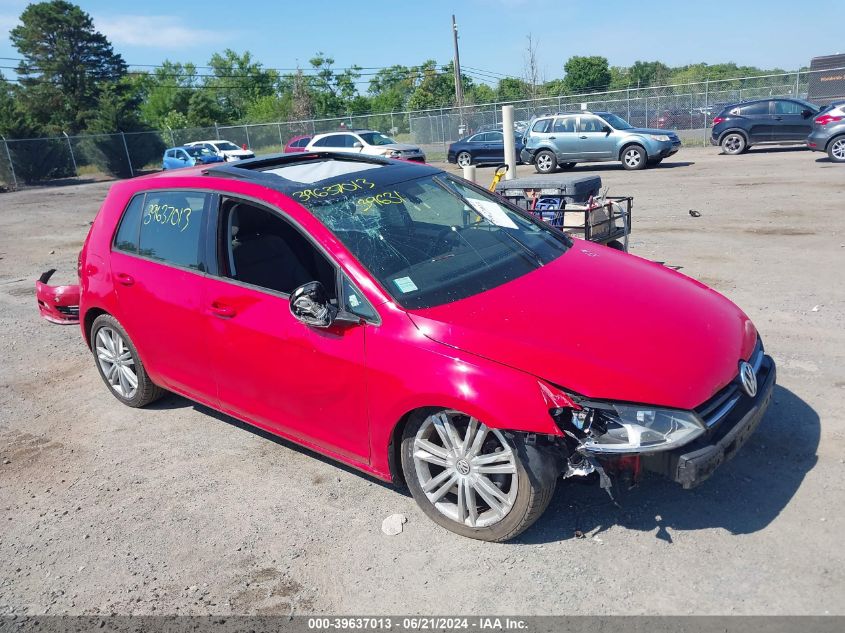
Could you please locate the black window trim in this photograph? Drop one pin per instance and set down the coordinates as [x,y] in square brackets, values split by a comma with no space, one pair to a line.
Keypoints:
[202,246]
[212,244]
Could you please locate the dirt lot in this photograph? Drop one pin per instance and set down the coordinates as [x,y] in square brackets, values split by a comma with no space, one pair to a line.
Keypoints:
[177,509]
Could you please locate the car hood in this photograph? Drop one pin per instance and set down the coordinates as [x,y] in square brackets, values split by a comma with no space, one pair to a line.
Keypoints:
[402,147]
[606,325]
[647,130]
[237,152]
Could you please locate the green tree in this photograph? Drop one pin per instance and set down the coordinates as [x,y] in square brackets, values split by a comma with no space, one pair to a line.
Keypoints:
[643,74]
[117,111]
[436,89]
[512,89]
[66,63]
[237,81]
[332,92]
[586,74]
[481,93]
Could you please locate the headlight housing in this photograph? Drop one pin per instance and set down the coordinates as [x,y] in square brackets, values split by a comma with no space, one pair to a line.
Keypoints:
[659,137]
[624,428]
[392,153]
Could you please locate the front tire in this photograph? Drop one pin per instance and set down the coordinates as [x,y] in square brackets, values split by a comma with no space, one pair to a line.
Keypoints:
[545,162]
[119,365]
[473,480]
[634,157]
[464,159]
[836,150]
[734,143]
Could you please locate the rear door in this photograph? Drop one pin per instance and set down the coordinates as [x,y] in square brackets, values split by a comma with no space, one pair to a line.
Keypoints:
[788,122]
[564,137]
[158,266]
[594,142]
[493,147]
[758,121]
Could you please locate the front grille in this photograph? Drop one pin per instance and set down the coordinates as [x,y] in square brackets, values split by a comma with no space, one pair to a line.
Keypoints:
[714,410]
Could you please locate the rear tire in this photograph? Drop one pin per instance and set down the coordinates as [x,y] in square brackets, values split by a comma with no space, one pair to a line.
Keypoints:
[836,149]
[616,245]
[119,365]
[734,143]
[478,482]
[545,162]
[634,157]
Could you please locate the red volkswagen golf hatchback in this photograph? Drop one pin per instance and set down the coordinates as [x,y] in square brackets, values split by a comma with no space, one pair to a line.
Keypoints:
[415,326]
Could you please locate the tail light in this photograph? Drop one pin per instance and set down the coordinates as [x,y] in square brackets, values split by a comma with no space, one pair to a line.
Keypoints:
[718,120]
[827,118]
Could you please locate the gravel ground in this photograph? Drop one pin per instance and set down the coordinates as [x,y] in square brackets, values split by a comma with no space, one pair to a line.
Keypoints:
[178,509]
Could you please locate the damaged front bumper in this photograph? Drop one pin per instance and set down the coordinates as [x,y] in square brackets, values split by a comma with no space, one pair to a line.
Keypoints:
[694,463]
[57,304]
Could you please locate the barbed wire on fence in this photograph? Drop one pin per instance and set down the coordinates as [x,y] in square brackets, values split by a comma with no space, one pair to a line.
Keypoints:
[686,107]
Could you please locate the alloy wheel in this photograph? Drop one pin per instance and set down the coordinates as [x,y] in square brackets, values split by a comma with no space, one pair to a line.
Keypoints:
[632,158]
[733,143]
[116,362]
[544,162]
[837,149]
[464,159]
[466,470]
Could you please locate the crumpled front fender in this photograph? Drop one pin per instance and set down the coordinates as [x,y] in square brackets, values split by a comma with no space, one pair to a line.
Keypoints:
[57,304]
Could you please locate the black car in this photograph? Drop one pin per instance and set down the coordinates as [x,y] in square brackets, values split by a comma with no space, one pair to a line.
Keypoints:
[482,148]
[776,120]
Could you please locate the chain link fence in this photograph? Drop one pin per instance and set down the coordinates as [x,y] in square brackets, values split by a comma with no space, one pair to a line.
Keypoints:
[688,108]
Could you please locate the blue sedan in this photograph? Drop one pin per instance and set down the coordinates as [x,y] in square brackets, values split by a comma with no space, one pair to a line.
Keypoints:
[177,157]
[482,148]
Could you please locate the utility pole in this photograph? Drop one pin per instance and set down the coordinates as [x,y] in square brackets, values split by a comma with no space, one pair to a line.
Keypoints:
[459,87]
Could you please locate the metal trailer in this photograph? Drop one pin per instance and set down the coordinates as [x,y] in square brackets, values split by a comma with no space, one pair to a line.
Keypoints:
[573,205]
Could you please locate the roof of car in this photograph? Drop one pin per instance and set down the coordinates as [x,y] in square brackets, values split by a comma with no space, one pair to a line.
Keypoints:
[287,173]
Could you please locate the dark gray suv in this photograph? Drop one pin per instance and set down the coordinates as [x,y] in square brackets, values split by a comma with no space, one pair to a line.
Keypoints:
[762,121]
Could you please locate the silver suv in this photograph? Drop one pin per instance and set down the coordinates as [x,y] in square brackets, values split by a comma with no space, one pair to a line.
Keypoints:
[567,138]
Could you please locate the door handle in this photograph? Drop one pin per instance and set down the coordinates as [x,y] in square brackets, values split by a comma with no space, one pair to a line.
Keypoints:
[222,310]
[551,138]
[582,137]
[124,279]
[778,118]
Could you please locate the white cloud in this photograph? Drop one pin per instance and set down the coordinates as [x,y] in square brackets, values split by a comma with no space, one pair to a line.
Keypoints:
[156,31]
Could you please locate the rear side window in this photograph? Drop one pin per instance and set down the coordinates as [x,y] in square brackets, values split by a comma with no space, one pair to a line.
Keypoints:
[126,238]
[755,109]
[172,227]
[335,140]
[302,142]
[542,125]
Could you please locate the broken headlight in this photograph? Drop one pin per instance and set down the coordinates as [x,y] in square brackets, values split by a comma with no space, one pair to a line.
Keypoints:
[623,428]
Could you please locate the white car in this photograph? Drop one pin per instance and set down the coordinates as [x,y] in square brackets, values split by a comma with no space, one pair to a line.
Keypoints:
[365,142]
[227,149]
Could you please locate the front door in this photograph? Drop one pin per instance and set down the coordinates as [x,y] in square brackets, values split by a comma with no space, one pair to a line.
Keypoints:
[789,124]
[271,369]
[157,264]
[594,142]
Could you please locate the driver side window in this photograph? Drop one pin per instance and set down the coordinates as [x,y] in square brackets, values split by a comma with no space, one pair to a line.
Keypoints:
[259,248]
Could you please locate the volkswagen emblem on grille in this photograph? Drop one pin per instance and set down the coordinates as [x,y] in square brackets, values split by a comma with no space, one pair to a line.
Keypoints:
[747,378]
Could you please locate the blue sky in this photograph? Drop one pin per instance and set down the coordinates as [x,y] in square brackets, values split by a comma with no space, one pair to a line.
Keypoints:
[377,33]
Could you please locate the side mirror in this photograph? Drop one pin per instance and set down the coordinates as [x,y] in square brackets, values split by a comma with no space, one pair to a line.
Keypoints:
[607,130]
[357,145]
[309,304]
[806,113]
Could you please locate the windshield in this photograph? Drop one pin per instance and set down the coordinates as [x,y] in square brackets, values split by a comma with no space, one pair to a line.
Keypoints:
[199,150]
[376,138]
[226,146]
[433,240]
[616,122]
